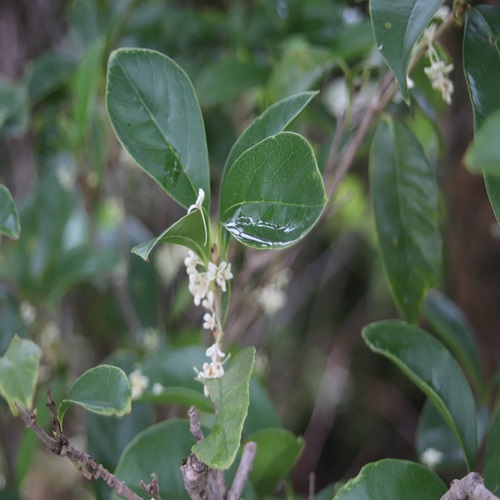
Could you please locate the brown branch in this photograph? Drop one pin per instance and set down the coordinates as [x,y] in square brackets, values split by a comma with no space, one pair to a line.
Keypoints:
[470,487]
[59,445]
[243,471]
[152,489]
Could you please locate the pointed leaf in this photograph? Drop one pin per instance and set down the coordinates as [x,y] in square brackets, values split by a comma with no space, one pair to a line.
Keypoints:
[231,396]
[405,200]
[273,194]
[397,27]
[272,121]
[157,450]
[188,231]
[482,71]
[277,452]
[392,479]
[19,373]
[453,329]
[484,153]
[104,389]
[156,116]
[9,218]
[432,368]
[491,472]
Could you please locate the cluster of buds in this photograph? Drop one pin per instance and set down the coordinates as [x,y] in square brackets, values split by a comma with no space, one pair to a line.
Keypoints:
[438,72]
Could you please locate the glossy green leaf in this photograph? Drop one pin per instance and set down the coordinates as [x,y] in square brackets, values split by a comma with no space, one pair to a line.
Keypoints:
[19,373]
[104,389]
[453,329]
[157,450]
[277,452]
[14,109]
[273,194]
[9,218]
[481,54]
[156,116]
[491,473]
[433,433]
[432,368]
[484,153]
[223,81]
[188,231]
[392,479]
[409,240]
[272,121]
[397,26]
[231,395]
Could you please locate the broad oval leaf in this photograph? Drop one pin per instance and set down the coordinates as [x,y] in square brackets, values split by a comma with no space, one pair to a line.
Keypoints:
[405,201]
[271,122]
[157,450]
[277,452]
[392,479]
[397,27]
[481,53]
[104,389]
[9,218]
[273,194]
[156,116]
[188,231]
[19,373]
[492,459]
[432,368]
[452,327]
[231,395]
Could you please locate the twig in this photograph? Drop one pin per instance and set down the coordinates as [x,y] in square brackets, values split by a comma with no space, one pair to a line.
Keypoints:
[152,489]
[312,486]
[243,471]
[194,424]
[470,487]
[60,445]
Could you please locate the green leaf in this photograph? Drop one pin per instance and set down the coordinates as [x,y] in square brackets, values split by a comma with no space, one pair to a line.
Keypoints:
[188,231]
[432,368]
[491,474]
[408,236]
[104,390]
[156,116]
[157,450]
[273,194]
[272,121]
[481,53]
[19,373]
[14,109]
[223,81]
[9,218]
[277,452]
[397,26]
[484,153]
[261,411]
[230,394]
[453,329]
[392,479]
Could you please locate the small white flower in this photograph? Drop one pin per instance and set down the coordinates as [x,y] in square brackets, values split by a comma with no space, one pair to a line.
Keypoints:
[157,388]
[208,303]
[139,383]
[215,353]
[442,13]
[438,75]
[209,322]
[198,205]
[224,274]
[211,370]
[191,261]
[431,457]
[27,311]
[198,286]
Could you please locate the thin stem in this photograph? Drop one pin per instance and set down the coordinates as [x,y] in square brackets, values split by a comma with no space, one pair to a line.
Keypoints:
[244,468]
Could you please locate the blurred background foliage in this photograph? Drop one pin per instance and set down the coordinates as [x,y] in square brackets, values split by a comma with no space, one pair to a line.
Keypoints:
[70,283]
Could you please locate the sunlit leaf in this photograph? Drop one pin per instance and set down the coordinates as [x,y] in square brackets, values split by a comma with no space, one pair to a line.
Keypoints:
[156,116]
[104,389]
[393,480]
[432,368]
[397,27]
[408,236]
[19,373]
[231,395]
[273,194]
[9,218]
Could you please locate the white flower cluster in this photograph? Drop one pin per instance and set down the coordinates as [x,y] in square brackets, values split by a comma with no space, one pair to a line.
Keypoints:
[202,281]
[272,297]
[139,383]
[438,71]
